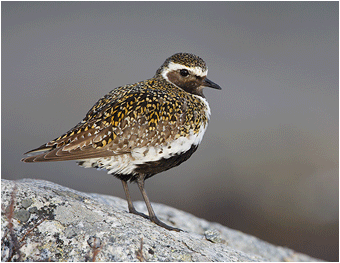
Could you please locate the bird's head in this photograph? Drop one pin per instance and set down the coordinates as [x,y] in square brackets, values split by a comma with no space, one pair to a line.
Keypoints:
[188,72]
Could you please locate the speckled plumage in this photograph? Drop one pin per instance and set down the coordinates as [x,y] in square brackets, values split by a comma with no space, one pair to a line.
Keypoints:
[141,129]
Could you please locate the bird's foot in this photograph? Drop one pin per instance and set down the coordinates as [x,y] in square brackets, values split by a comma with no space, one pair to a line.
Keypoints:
[160,223]
[134,211]
[154,220]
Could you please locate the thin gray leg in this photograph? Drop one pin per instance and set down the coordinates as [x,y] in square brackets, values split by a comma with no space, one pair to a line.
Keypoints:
[152,214]
[131,207]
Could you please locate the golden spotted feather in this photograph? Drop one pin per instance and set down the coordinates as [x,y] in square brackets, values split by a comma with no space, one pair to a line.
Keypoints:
[129,117]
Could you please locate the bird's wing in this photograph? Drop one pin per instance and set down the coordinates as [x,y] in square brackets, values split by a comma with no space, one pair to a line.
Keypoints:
[116,124]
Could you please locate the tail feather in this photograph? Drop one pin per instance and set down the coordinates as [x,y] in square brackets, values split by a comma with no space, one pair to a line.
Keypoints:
[59,154]
[42,148]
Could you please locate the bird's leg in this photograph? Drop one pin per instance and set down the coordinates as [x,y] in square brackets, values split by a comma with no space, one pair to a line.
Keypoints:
[131,207]
[152,215]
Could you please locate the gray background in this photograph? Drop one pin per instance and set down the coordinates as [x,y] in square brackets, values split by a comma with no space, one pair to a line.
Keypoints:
[268,164]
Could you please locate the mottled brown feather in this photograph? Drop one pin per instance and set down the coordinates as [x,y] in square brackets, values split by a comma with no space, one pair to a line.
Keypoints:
[148,113]
[94,138]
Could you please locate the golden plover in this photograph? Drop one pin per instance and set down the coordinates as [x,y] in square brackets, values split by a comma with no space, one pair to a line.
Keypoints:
[141,129]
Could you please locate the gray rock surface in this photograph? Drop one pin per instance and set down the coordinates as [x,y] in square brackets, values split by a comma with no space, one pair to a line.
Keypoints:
[56,223]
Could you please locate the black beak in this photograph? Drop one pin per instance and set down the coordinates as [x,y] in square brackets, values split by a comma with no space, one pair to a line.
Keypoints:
[208,83]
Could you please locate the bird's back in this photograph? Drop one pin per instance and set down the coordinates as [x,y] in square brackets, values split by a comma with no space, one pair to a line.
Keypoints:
[131,128]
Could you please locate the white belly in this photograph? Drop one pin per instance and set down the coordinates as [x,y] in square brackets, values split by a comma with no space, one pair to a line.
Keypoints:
[126,163]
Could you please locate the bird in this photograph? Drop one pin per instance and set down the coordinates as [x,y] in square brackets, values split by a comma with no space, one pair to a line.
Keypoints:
[139,130]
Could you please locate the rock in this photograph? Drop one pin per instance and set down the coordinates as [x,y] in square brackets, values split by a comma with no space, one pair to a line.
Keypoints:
[66,225]
[214,236]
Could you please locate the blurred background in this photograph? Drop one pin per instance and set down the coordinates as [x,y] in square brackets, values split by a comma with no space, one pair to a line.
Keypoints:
[268,164]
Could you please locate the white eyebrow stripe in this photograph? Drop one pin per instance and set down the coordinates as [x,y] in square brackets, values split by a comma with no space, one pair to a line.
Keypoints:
[196,70]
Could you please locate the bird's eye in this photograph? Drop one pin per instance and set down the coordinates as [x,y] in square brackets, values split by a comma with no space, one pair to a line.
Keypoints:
[184,72]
